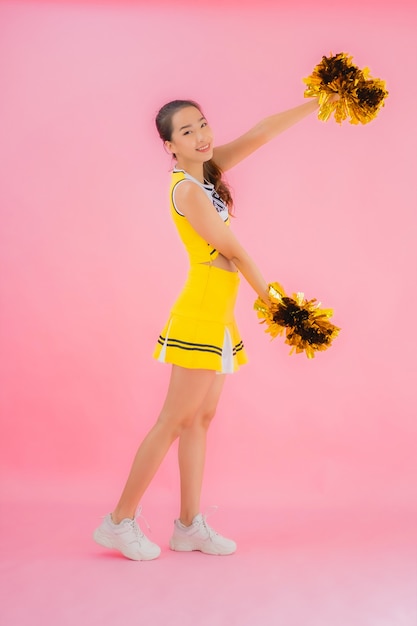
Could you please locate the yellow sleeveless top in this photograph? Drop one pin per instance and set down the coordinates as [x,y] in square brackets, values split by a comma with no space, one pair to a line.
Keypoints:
[199,250]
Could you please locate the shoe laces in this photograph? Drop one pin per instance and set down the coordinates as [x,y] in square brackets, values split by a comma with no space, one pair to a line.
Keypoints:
[134,526]
[138,529]
[211,532]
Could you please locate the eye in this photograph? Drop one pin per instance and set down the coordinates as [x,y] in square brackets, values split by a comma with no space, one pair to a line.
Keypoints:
[204,124]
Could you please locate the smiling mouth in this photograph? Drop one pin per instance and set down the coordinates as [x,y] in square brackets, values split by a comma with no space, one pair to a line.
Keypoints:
[204,148]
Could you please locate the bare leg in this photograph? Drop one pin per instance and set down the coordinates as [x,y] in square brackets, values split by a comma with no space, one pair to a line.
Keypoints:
[186,392]
[192,451]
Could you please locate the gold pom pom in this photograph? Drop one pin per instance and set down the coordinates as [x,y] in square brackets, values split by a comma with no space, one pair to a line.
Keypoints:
[307,327]
[360,95]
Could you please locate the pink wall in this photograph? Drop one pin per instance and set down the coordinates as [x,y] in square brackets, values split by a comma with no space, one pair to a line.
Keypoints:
[90,262]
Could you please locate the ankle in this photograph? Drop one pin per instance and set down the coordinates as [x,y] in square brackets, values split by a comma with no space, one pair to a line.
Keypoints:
[187,520]
[116,517]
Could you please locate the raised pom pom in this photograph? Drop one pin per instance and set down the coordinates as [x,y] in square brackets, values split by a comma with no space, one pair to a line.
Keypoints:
[307,327]
[360,96]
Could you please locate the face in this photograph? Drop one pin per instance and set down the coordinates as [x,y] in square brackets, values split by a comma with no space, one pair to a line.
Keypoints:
[192,138]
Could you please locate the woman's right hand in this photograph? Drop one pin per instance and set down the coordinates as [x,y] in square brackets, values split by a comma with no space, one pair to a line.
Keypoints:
[335,97]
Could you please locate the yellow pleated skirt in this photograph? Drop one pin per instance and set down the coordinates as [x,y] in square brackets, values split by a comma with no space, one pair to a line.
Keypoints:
[201,332]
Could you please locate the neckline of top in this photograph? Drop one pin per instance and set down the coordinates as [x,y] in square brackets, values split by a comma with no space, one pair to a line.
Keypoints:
[205,184]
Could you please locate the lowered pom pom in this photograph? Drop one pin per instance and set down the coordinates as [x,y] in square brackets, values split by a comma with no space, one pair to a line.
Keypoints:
[360,96]
[306,327]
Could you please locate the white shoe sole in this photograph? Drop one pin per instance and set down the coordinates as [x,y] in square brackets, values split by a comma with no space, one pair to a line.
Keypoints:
[104,540]
[179,546]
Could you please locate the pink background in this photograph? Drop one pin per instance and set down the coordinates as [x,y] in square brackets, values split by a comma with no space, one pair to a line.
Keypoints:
[90,262]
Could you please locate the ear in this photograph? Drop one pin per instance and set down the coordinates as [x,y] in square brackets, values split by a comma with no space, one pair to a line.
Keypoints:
[168,147]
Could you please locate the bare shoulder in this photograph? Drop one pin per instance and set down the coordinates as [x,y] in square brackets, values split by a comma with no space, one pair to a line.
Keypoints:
[189,196]
[188,189]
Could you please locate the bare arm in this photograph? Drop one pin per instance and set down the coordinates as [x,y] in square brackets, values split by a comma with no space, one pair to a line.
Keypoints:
[229,154]
[205,220]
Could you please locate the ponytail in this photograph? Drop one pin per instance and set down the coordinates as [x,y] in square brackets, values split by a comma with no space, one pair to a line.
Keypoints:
[213,174]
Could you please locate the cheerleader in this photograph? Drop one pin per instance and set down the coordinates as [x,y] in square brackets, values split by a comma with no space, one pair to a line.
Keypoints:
[200,339]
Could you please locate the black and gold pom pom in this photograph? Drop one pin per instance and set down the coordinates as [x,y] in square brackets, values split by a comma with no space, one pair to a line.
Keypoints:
[307,327]
[360,97]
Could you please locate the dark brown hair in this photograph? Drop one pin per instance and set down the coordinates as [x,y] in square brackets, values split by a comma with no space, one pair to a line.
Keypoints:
[212,172]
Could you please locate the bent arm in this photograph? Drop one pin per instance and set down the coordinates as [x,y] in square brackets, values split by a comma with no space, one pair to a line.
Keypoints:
[205,220]
[229,154]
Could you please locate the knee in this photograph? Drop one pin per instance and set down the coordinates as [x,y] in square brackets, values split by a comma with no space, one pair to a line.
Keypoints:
[173,426]
[204,418]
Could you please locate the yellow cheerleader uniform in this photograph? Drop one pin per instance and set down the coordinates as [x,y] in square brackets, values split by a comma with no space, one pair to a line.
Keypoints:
[201,332]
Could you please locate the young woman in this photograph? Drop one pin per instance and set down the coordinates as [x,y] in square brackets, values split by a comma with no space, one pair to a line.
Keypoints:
[200,339]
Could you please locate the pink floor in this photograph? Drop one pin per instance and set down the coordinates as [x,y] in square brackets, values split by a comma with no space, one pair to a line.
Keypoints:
[293,567]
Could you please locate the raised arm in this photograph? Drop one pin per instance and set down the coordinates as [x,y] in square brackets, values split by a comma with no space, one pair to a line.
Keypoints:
[205,220]
[229,154]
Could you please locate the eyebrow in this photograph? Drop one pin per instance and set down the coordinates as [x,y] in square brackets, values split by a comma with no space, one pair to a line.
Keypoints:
[189,125]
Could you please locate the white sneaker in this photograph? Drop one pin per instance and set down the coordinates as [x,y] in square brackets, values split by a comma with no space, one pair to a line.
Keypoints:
[126,537]
[199,536]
